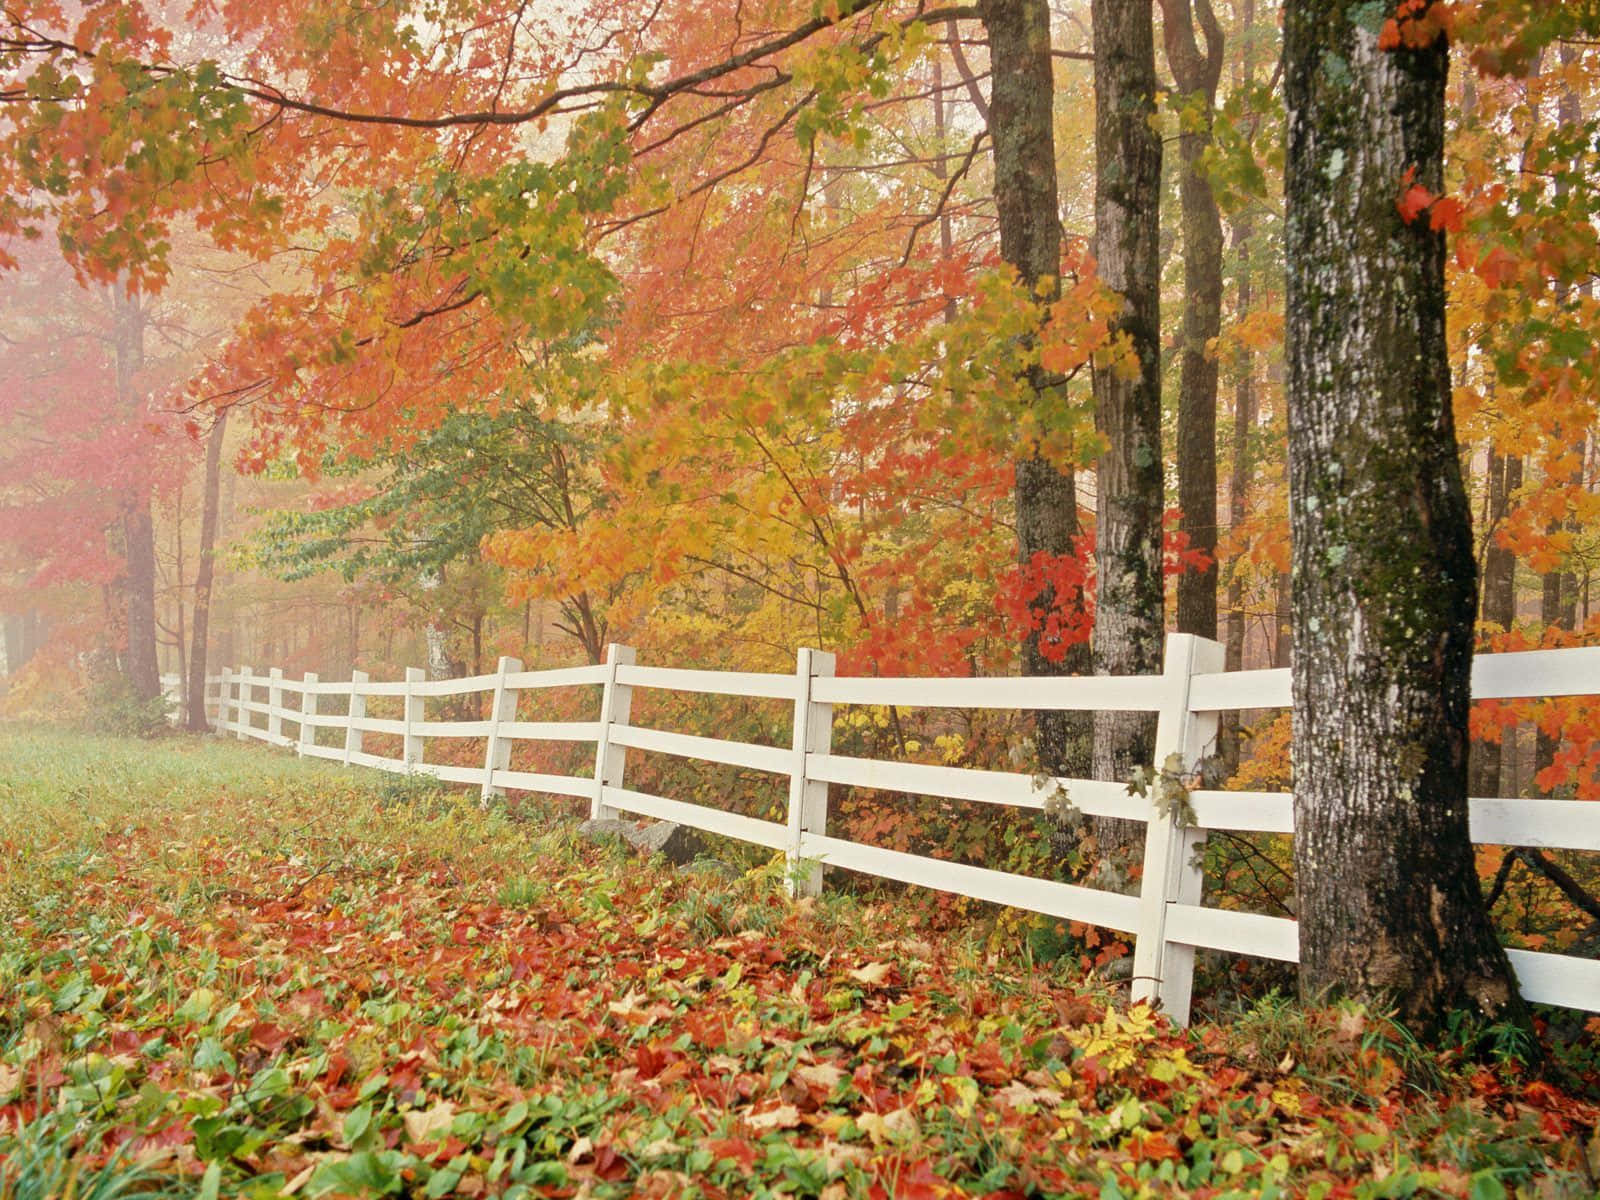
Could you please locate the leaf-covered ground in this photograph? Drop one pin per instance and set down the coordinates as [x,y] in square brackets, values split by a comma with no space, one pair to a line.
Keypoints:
[223,971]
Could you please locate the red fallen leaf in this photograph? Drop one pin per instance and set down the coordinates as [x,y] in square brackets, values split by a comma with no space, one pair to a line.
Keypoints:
[270,1038]
[741,1152]
[609,1165]
[920,1182]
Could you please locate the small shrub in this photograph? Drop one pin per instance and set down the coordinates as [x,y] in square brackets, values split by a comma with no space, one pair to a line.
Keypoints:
[114,708]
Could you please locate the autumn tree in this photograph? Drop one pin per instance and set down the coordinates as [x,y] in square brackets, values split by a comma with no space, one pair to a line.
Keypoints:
[1389,904]
[1020,123]
[1128,629]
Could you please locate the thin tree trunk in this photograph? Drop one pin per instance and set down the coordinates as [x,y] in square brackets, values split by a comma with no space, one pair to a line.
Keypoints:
[138,526]
[1389,903]
[205,575]
[1499,605]
[1023,138]
[1551,609]
[1197,75]
[1128,627]
[1244,417]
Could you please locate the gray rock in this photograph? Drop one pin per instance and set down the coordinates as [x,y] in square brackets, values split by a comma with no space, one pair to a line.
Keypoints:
[679,843]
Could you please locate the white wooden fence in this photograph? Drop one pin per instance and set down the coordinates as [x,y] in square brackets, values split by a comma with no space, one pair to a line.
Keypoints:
[1168,917]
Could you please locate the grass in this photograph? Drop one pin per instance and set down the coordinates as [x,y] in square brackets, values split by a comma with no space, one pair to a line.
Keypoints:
[224,971]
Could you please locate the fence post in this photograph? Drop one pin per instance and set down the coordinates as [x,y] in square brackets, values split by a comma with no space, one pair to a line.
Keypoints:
[411,750]
[224,700]
[808,798]
[275,703]
[308,708]
[246,695]
[502,709]
[1163,971]
[616,706]
[357,710]
[211,698]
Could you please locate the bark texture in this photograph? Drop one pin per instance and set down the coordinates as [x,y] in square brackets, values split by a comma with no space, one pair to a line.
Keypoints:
[1128,627]
[1023,137]
[1384,591]
[205,574]
[1197,74]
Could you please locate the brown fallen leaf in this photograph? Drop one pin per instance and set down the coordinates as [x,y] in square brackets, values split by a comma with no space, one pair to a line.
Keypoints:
[824,1076]
[299,1181]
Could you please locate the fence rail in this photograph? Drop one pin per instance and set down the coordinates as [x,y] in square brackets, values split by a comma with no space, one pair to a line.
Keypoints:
[1167,917]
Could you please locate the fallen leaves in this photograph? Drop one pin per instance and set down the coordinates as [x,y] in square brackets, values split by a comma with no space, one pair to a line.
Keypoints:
[602,1041]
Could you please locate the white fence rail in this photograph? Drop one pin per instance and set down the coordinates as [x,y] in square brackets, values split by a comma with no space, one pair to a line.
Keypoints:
[1167,918]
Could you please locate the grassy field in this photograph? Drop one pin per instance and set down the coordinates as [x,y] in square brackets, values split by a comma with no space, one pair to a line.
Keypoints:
[227,972]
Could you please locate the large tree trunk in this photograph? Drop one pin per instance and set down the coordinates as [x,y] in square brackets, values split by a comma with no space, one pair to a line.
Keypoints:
[205,574]
[1197,75]
[1389,902]
[1128,614]
[138,527]
[1023,138]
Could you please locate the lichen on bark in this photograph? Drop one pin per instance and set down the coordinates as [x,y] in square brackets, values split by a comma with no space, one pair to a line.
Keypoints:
[1384,581]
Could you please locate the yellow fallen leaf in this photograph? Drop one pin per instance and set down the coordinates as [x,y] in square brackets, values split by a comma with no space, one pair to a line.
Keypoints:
[883,1127]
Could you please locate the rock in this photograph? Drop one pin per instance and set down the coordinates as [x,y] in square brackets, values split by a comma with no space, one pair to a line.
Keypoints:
[595,831]
[679,843]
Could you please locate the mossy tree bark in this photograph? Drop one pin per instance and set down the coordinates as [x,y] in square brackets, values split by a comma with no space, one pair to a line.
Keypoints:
[1023,137]
[1384,591]
[1197,74]
[1128,626]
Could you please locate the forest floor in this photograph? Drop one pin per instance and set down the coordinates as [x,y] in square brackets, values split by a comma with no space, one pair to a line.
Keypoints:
[224,972]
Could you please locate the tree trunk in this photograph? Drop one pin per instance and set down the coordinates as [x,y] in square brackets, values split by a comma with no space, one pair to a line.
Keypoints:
[1197,75]
[1389,902]
[1499,605]
[1023,138]
[138,527]
[1128,614]
[1550,612]
[1244,417]
[205,574]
